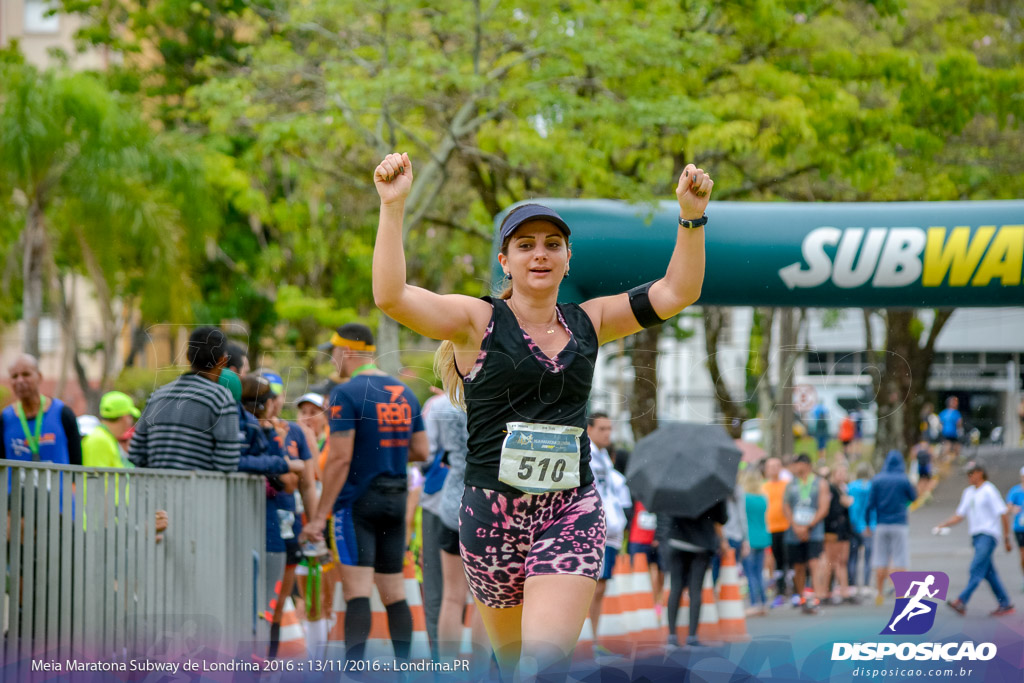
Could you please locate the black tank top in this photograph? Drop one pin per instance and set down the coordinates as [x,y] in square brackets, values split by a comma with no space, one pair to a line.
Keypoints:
[514,385]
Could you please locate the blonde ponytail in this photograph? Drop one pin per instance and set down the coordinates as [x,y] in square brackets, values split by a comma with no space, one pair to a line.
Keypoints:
[451,380]
[444,359]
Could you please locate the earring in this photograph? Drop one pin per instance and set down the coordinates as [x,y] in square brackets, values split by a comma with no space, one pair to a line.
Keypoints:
[566,274]
[508,276]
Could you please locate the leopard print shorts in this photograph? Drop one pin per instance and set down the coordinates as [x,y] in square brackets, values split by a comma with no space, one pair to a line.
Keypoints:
[506,538]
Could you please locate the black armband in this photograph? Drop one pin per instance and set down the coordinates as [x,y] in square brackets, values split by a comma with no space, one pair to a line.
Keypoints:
[640,302]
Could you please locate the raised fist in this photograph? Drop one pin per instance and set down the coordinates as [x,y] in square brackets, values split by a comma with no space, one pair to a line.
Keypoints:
[693,192]
[393,178]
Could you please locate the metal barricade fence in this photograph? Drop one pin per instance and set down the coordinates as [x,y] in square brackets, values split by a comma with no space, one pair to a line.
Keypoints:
[84,575]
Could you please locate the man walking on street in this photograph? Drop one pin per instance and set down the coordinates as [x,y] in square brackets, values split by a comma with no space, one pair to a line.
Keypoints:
[952,428]
[376,428]
[987,518]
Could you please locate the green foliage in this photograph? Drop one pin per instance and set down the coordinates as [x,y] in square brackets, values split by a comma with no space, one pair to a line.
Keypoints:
[418,373]
[120,203]
[831,318]
[140,383]
[295,102]
[292,304]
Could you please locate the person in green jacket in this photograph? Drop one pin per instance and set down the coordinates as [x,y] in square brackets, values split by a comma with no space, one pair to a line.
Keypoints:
[101,447]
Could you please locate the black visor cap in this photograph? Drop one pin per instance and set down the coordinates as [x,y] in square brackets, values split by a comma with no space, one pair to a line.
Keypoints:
[532,212]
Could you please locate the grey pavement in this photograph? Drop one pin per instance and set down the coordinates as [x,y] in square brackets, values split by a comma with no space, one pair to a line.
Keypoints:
[950,554]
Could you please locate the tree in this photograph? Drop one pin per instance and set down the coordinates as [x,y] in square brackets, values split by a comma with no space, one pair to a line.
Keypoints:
[96,192]
[813,100]
[901,376]
[829,117]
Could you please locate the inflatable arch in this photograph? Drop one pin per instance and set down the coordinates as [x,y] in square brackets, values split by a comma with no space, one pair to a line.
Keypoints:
[899,254]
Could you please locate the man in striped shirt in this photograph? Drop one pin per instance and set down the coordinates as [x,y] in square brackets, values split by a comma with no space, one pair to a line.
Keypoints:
[191,423]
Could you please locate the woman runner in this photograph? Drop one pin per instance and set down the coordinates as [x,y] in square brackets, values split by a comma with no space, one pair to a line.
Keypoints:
[532,529]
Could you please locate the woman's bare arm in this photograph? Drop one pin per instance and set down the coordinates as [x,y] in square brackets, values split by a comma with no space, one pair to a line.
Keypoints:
[439,316]
[613,316]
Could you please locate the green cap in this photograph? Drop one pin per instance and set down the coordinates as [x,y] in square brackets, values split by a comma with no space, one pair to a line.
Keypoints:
[116,404]
[229,379]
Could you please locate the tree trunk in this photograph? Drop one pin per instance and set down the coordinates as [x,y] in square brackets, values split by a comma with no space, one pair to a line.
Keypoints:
[33,274]
[644,401]
[68,350]
[903,379]
[389,356]
[734,412]
[921,365]
[67,320]
[139,340]
[765,394]
[105,300]
[789,336]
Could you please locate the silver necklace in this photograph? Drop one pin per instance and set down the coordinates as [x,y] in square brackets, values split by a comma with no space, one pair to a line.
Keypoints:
[550,324]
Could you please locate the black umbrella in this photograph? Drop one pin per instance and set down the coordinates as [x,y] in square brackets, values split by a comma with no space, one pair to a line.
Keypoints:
[682,469]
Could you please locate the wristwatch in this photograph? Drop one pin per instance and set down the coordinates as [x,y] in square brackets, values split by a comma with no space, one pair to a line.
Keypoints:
[696,223]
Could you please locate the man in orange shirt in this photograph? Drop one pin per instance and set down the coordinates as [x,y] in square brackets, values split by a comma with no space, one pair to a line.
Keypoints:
[774,488]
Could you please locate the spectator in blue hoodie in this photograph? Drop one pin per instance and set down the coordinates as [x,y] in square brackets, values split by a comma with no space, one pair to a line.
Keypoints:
[891,493]
[860,489]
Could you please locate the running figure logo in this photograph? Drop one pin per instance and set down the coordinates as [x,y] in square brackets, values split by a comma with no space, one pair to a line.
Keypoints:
[914,613]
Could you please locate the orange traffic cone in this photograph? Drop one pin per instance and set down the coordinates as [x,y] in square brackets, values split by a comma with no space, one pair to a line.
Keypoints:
[293,639]
[648,628]
[708,628]
[337,630]
[613,628]
[379,642]
[732,619]
[632,601]
[414,597]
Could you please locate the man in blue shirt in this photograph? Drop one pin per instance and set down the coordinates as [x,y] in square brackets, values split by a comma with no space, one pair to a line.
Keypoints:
[1015,498]
[376,429]
[820,424]
[860,490]
[37,427]
[952,427]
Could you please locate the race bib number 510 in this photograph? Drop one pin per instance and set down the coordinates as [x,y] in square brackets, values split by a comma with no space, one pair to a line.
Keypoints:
[536,458]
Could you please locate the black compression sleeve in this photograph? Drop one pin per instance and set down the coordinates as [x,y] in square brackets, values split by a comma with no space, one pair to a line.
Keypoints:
[70,424]
[640,302]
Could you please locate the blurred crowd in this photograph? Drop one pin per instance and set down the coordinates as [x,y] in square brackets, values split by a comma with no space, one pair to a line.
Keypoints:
[807,529]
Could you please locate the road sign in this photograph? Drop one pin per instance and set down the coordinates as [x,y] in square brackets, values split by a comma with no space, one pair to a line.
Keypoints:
[805,397]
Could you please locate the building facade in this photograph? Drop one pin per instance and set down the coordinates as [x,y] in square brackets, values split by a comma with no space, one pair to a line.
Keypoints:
[42,35]
[979,358]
